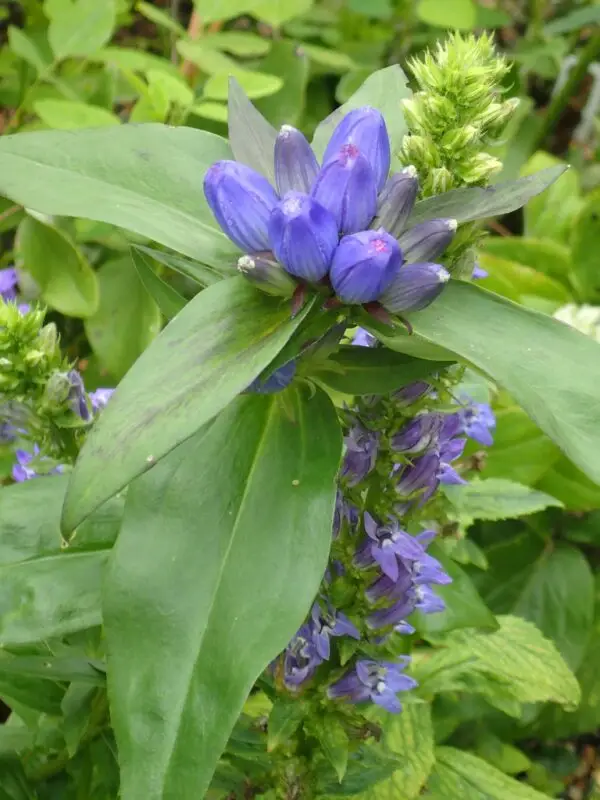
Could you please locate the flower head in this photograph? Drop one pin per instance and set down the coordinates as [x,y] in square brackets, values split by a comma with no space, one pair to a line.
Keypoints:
[300,659]
[365,129]
[326,623]
[8,283]
[477,422]
[364,265]
[100,398]
[296,166]
[362,446]
[23,471]
[378,681]
[414,287]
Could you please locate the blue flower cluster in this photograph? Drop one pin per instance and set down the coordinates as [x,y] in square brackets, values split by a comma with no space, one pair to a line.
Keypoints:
[9,281]
[343,224]
[399,575]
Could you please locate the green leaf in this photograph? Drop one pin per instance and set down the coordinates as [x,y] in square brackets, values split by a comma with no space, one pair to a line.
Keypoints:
[217,10]
[65,279]
[29,518]
[409,736]
[24,47]
[255,84]
[501,755]
[362,370]
[62,594]
[551,214]
[327,59]
[251,137]
[129,60]
[208,354]
[496,498]
[80,27]
[522,658]
[168,299]
[522,283]
[462,775]
[239,43]
[550,587]
[573,21]
[198,273]
[127,319]
[464,606]
[286,106]
[230,555]
[384,90]
[32,693]
[284,720]
[51,668]
[66,115]
[333,739]
[584,237]
[454,14]
[145,178]
[542,255]
[569,485]
[478,202]
[161,18]
[547,367]
[276,12]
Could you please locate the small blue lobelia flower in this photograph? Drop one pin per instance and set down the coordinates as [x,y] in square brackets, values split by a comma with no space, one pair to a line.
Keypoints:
[296,166]
[22,471]
[329,623]
[77,398]
[346,187]
[364,265]
[479,273]
[8,283]
[365,129]
[100,398]
[414,287]
[387,543]
[345,511]
[420,433]
[362,446]
[421,475]
[277,382]
[477,421]
[300,659]
[303,236]
[242,201]
[362,338]
[412,393]
[378,681]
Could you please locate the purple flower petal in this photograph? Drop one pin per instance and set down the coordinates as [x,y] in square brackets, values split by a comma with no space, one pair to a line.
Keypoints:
[365,129]
[364,265]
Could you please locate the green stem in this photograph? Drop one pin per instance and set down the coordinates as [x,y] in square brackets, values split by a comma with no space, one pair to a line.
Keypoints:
[562,97]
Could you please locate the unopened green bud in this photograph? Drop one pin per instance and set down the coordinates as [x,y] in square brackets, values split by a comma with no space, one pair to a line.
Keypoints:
[459,138]
[57,389]
[441,180]
[480,168]
[48,340]
[267,275]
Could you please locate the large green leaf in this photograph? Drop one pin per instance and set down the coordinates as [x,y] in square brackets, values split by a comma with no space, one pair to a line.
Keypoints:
[462,776]
[496,498]
[550,369]
[65,279]
[127,319]
[384,90]
[551,587]
[165,296]
[79,27]
[207,355]
[207,586]
[146,178]
[251,137]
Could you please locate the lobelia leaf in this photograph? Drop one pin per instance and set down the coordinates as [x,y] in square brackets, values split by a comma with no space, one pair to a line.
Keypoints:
[146,178]
[207,355]
[70,115]
[462,775]
[80,27]
[64,276]
[334,742]
[364,370]
[384,90]
[127,319]
[52,668]
[260,542]
[251,137]
[165,296]
[284,720]
[495,499]
[549,368]
[409,736]
[479,202]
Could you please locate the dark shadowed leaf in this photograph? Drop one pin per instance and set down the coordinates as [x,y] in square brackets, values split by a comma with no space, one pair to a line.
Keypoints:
[207,355]
[166,298]
[260,542]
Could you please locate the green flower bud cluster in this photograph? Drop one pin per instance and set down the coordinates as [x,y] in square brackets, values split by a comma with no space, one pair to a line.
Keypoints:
[29,354]
[456,112]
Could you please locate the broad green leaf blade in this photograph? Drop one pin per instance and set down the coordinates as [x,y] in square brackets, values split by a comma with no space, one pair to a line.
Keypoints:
[550,216]
[251,137]
[290,62]
[65,278]
[62,591]
[51,668]
[276,12]
[569,485]
[70,115]
[584,238]
[167,299]
[80,27]
[333,741]
[208,354]
[363,370]
[409,736]
[551,587]
[454,14]
[550,369]
[522,658]
[464,606]
[496,498]
[384,90]
[127,319]
[198,273]
[482,202]
[146,178]
[462,775]
[202,592]
[24,47]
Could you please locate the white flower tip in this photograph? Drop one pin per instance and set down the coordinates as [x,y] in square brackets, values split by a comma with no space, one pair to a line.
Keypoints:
[443,275]
[246,263]
[286,130]
[452,224]
[410,171]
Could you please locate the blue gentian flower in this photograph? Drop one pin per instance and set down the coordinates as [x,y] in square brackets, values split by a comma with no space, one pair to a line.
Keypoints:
[427,240]
[8,283]
[364,265]
[378,681]
[296,166]
[277,382]
[397,199]
[326,623]
[365,129]
[420,475]
[414,287]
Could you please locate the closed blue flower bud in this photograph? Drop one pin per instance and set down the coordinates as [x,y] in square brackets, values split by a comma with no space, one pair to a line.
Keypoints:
[364,265]
[296,166]
[415,287]
[267,275]
[365,129]
[242,201]
[303,235]
[396,201]
[276,382]
[346,187]
[428,240]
